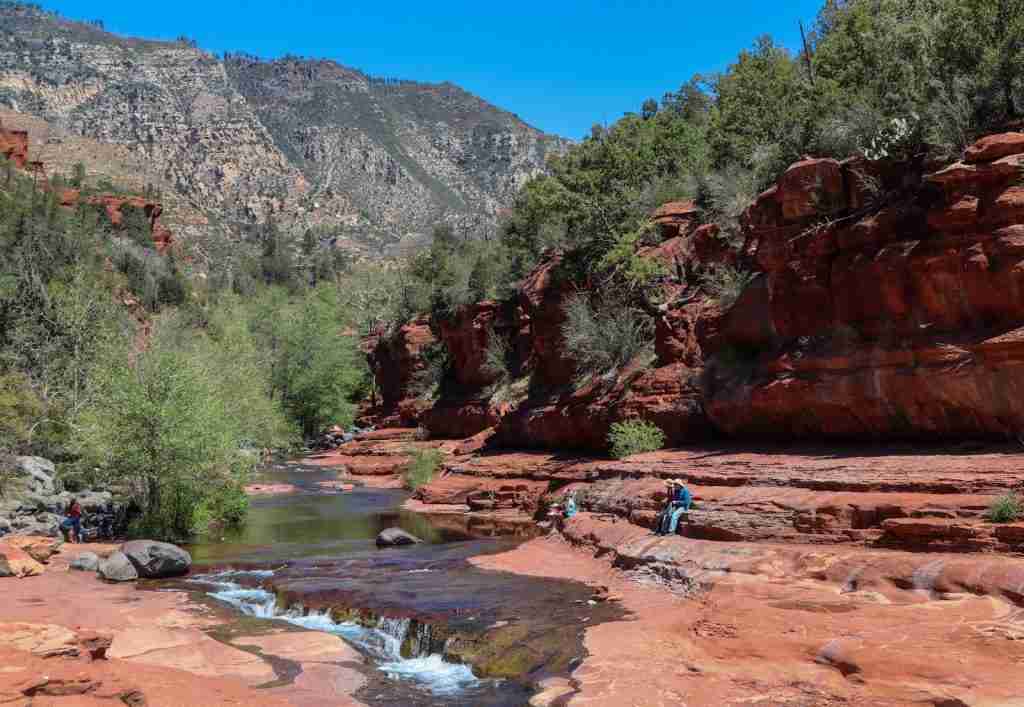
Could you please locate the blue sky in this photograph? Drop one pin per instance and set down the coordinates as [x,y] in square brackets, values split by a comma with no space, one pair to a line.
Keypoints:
[561,65]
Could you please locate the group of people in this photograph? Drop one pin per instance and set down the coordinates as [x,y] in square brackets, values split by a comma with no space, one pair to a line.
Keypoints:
[679,503]
[680,500]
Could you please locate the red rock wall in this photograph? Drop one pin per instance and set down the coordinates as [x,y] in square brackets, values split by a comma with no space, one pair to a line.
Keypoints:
[902,320]
[907,322]
[395,361]
[14,146]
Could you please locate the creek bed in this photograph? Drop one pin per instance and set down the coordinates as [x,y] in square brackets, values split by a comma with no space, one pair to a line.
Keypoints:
[434,629]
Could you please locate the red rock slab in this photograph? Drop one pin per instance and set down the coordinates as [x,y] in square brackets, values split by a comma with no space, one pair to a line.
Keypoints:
[765,631]
[40,549]
[330,667]
[972,469]
[62,682]
[15,562]
[191,650]
[992,147]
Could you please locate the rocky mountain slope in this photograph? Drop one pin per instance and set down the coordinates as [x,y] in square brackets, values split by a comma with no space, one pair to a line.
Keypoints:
[306,142]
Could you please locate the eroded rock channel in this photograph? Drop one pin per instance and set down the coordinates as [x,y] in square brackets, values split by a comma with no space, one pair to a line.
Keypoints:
[432,628]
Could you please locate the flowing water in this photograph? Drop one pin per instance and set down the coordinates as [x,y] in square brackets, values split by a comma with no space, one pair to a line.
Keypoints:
[434,629]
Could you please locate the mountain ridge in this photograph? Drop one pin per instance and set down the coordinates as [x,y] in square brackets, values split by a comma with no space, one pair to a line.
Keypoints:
[310,143]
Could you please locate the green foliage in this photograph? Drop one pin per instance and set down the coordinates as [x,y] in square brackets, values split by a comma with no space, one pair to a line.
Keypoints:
[423,465]
[11,481]
[428,382]
[760,103]
[452,273]
[1006,509]
[602,190]
[20,407]
[168,430]
[634,437]
[319,373]
[725,283]
[497,356]
[603,340]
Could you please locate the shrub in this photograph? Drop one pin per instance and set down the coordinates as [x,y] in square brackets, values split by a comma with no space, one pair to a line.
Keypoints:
[1006,509]
[602,341]
[422,467]
[428,382]
[634,437]
[725,283]
[497,357]
[19,408]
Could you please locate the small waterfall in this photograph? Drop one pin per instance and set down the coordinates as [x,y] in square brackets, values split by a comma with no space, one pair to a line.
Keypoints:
[382,643]
[925,576]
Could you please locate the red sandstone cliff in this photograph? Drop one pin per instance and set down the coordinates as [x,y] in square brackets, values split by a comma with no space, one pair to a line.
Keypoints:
[888,303]
[14,146]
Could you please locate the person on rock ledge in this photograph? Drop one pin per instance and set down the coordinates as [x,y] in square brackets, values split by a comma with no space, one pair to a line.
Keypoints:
[679,502]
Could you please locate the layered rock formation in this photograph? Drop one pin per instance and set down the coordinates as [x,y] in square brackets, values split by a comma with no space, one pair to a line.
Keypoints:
[903,321]
[887,302]
[14,146]
[309,142]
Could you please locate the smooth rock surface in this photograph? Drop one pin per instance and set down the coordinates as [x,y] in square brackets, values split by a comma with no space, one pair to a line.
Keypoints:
[392,537]
[157,560]
[86,562]
[118,568]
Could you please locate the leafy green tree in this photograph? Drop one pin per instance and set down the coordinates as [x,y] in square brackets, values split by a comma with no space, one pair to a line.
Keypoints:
[320,371]
[165,432]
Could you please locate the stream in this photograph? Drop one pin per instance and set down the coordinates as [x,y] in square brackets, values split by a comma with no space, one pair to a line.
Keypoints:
[433,629]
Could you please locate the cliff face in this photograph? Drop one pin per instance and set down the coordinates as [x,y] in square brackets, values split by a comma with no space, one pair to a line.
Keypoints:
[907,322]
[311,142]
[888,303]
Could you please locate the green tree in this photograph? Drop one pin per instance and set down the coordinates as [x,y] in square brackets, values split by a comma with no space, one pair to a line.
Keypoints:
[164,431]
[320,370]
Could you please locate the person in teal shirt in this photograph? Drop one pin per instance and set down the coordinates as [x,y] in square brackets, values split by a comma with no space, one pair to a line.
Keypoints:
[679,502]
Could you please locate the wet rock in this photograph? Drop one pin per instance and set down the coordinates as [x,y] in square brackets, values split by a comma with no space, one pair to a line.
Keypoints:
[86,562]
[118,568]
[393,537]
[156,560]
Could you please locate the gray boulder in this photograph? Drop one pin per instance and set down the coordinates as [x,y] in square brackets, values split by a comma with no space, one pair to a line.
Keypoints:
[393,537]
[155,560]
[86,562]
[38,472]
[118,568]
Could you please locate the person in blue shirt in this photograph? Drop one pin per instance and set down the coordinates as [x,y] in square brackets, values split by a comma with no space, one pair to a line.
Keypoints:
[679,501]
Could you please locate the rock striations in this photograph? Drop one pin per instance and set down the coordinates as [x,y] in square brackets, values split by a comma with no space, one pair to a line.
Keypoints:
[887,304]
[311,143]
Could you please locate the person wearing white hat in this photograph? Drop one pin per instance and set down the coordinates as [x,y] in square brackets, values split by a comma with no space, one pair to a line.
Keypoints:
[679,501]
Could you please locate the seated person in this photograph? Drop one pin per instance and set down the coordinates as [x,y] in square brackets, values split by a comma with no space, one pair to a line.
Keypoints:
[679,502]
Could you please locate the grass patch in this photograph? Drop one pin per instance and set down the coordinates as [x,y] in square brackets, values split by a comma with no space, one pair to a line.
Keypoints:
[422,467]
[634,437]
[1006,509]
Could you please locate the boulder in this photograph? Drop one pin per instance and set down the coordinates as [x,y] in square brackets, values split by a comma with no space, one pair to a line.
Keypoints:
[393,537]
[15,562]
[118,568]
[86,562]
[992,147]
[156,560]
[39,548]
[38,472]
